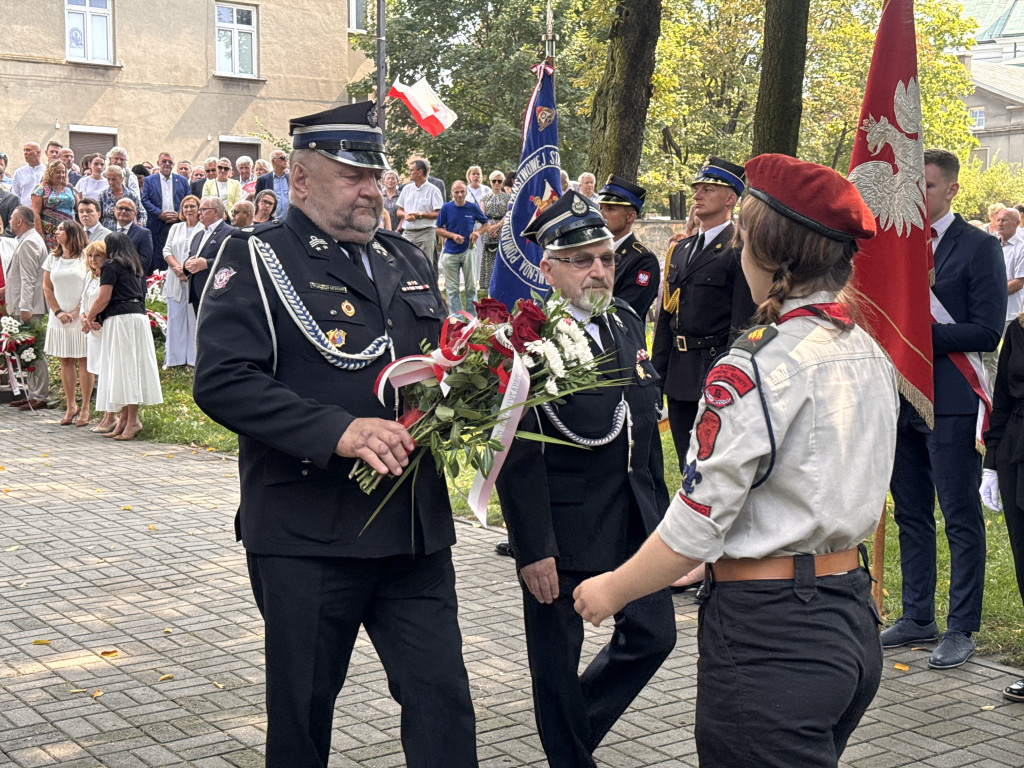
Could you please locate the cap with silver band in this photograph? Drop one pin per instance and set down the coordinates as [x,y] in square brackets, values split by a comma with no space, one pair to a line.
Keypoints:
[348,134]
[570,221]
[618,191]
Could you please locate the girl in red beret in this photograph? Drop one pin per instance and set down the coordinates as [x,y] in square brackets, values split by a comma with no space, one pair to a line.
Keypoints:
[787,472]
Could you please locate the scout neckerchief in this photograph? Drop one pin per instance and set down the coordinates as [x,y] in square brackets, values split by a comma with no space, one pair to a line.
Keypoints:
[836,313]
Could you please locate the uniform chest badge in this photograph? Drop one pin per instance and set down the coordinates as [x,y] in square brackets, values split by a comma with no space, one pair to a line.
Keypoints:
[348,308]
[318,244]
[643,278]
[337,337]
[379,248]
[222,277]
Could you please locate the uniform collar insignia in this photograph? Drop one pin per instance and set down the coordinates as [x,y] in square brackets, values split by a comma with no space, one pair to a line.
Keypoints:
[318,244]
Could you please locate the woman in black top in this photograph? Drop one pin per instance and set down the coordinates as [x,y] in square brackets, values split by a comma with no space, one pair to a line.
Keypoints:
[128,372]
[1004,455]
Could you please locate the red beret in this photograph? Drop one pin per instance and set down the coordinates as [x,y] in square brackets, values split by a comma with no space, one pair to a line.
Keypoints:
[812,195]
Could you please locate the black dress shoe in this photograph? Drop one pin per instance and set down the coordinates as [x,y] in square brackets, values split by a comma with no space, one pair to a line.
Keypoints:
[1015,692]
[906,631]
[954,650]
[504,548]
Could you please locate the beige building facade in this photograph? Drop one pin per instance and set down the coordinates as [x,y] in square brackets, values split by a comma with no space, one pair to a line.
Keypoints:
[187,76]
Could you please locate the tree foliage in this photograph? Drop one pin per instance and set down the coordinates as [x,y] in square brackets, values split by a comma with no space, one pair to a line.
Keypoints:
[999,183]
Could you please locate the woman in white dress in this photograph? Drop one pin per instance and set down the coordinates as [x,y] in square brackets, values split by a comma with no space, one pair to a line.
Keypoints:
[64,273]
[95,255]
[181,318]
[128,372]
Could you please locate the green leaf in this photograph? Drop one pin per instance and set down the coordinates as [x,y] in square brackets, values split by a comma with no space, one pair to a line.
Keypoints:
[539,438]
[444,413]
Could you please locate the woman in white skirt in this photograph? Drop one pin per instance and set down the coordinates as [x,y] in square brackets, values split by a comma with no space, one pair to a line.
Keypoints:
[95,255]
[128,373]
[180,348]
[63,281]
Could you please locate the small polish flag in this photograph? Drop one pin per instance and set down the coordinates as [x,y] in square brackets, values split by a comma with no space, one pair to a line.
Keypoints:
[427,109]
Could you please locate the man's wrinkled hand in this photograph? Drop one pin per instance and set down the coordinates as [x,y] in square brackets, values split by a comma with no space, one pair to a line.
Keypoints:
[595,599]
[384,445]
[541,579]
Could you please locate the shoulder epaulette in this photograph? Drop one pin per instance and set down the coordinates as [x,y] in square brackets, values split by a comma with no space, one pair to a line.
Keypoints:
[641,248]
[755,338]
[244,233]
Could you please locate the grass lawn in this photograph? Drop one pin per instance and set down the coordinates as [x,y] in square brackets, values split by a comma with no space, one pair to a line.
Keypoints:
[179,421]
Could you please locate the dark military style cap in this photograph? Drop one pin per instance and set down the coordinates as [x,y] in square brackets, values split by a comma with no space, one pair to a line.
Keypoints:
[570,221]
[719,171]
[617,191]
[348,133]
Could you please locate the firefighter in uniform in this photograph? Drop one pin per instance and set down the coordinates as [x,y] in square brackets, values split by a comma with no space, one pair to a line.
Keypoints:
[637,273]
[787,469]
[706,301]
[298,318]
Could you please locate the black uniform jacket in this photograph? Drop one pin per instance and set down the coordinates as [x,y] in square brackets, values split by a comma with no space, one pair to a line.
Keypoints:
[296,498]
[582,506]
[637,275]
[714,301]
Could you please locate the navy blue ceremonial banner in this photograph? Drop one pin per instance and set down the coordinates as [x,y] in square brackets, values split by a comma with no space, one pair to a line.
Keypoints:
[538,184]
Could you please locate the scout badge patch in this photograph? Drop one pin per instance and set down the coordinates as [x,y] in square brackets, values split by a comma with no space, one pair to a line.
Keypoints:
[222,277]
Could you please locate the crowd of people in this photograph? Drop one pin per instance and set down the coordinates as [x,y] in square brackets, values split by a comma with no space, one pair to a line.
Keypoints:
[755,342]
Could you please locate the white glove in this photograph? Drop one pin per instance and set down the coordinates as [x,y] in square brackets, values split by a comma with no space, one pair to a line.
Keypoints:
[990,490]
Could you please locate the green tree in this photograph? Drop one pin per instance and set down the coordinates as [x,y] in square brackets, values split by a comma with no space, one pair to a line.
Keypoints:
[780,95]
[999,183]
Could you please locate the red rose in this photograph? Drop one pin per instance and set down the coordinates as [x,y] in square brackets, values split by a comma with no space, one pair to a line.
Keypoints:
[530,315]
[522,332]
[491,311]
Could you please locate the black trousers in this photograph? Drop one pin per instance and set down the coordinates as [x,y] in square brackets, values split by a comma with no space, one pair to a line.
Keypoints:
[681,415]
[575,711]
[313,607]
[1011,489]
[786,669]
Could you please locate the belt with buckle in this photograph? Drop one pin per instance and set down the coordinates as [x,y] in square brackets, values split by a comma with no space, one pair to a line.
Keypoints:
[687,343]
[750,569]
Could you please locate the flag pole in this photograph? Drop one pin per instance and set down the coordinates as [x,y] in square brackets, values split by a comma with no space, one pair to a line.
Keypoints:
[550,37]
[878,559]
[381,67]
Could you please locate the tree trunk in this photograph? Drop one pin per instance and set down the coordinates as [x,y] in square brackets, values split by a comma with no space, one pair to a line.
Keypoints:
[619,112]
[780,94]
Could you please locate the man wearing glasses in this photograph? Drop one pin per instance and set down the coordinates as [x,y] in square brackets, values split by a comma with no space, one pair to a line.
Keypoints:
[574,513]
[227,189]
[206,242]
[124,214]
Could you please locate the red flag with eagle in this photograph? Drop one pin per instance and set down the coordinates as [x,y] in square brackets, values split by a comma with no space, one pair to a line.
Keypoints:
[893,270]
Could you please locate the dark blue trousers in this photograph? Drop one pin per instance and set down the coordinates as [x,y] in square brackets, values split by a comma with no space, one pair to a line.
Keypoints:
[574,712]
[942,460]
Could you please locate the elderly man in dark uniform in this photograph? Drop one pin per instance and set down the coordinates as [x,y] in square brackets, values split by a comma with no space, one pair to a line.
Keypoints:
[706,302]
[574,511]
[637,274]
[298,318]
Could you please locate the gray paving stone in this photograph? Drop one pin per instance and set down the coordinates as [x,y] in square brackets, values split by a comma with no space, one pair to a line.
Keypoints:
[89,575]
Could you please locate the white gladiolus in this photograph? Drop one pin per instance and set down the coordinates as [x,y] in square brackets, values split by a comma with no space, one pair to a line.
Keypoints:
[9,325]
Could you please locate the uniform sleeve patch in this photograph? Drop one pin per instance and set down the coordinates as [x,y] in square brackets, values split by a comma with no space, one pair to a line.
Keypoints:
[691,477]
[222,277]
[643,277]
[707,434]
[700,509]
[717,396]
[755,338]
[733,376]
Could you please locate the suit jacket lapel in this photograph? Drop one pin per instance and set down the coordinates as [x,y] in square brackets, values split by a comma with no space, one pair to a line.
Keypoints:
[711,249]
[947,244]
[385,274]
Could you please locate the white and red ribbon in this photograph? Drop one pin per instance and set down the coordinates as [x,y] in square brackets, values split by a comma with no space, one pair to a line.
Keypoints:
[452,350]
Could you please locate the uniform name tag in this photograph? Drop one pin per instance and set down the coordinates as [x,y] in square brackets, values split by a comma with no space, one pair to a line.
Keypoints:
[329,288]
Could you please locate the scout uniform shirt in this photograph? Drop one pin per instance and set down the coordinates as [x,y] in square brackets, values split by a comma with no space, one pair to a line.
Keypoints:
[793,445]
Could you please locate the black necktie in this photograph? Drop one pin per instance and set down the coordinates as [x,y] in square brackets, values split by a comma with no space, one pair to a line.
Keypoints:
[698,246]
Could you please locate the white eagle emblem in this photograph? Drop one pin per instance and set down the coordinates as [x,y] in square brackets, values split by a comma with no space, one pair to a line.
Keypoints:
[896,199]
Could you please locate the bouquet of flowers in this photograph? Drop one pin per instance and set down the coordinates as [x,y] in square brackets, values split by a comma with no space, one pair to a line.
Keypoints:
[154,287]
[463,401]
[21,346]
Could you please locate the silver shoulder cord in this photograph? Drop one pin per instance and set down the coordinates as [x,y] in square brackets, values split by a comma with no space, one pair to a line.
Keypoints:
[621,417]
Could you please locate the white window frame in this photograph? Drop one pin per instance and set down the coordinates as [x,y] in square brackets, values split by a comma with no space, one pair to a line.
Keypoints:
[90,14]
[977,115]
[353,14]
[234,28]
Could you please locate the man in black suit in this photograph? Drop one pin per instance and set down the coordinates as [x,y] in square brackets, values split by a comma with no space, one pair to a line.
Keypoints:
[706,302]
[210,169]
[125,213]
[637,274]
[293,373]
[575,512]
[206,242]
[277,181]
[970,289]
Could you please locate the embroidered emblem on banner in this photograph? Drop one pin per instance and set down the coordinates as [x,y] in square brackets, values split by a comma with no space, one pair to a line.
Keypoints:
[545,117]
[691,477]
[222,277]
[336,337]
[733,376]
[707,434]
[643,278]
[700,509]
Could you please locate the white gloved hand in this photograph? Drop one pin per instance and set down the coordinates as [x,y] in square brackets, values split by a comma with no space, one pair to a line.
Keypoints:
[990,490]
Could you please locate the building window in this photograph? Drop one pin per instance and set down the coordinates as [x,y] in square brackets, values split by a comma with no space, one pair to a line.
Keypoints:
[236,40]
[88,31]
[977,118]
[87,139]
[357,15]
[233,147]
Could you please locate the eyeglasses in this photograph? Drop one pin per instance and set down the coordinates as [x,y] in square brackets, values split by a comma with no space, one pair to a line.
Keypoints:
[223,167]
[497,181]
[208,208]
[586,260]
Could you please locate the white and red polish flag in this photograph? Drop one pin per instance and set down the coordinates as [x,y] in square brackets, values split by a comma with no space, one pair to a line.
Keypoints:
[426,107]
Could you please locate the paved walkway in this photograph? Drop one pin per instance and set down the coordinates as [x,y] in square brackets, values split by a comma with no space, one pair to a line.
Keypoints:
[129,546]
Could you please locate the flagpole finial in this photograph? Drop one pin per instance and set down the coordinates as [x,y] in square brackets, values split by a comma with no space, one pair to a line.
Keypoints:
[550,37]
